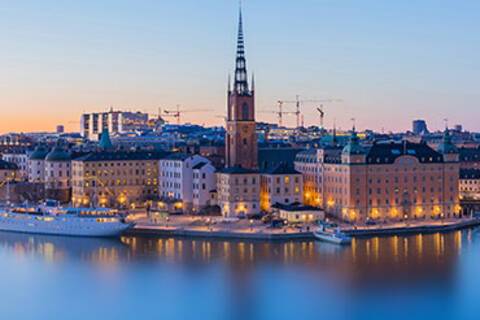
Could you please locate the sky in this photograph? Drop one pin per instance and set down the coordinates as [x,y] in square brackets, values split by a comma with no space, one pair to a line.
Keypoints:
[388,61]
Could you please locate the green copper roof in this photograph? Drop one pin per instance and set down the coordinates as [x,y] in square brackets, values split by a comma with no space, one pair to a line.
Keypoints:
[353,146]
[447,146]
[105,142]
[39,153]
[58,154]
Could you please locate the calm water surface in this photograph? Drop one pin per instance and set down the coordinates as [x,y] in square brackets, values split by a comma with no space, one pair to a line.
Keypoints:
[415,277]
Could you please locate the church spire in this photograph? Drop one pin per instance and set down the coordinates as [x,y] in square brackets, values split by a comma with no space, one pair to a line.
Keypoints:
[241,82]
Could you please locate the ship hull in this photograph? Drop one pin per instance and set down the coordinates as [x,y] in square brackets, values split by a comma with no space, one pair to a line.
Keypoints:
[63,226]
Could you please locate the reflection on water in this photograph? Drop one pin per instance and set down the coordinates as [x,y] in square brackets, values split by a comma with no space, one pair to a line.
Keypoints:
[381,258]
[436,276]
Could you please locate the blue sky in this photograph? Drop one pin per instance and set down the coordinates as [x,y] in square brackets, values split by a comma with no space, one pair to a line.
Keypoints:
[390,61]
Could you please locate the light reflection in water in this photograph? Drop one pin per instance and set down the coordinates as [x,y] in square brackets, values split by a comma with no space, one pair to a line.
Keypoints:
[394,258]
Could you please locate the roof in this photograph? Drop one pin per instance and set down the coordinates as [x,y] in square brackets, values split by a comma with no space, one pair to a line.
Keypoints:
[121,156]
[466,174]
[294,207]
[281,168]
[58,154]
[387,153]
[469,154]
[237,170]
[199,165]
[447,146]
[4,165]
[353,146]
[105,142]
[177,156]
[270,157]
[307,156]
[39,153]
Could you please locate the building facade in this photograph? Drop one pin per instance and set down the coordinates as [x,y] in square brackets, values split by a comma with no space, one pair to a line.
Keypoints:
[387,181]
[116,122]
[176,179]
[281,185]
[58,174]
[469,184]
[238,192]
[124,179]
[204,186]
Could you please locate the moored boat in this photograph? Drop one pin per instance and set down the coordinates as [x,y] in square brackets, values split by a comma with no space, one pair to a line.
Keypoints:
[80,222]
[334,235]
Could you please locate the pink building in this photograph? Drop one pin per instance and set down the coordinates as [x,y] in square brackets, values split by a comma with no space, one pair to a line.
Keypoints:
[385,181]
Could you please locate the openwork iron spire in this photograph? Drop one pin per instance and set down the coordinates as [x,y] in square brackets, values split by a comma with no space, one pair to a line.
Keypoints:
[241,82]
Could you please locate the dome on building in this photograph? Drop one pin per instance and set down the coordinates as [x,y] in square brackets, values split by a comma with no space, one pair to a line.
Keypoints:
[353,146]
[39,153]
[447,146]
[58,154]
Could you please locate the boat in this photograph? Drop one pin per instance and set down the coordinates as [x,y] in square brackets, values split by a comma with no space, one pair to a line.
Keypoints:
[335,236]
[63,221]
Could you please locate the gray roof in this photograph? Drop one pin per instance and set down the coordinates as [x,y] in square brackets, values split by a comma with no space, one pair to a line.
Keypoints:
[237,170]
[4,165]
[122,156]
[280,169]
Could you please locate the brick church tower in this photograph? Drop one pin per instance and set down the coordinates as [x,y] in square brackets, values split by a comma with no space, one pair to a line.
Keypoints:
[241,138]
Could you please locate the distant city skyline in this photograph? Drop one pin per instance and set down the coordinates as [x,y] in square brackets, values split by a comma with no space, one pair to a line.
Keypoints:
[390,63]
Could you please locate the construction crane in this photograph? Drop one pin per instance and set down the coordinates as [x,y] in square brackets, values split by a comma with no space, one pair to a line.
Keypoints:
[322,115]
[177,113]
[298,103]
[280,113]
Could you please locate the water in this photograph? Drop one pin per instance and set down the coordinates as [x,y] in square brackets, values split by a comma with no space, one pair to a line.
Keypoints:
[414,277]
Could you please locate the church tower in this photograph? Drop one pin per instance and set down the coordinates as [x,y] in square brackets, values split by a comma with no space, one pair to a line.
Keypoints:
[241,138]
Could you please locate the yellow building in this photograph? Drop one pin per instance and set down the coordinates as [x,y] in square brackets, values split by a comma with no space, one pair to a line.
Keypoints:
[115,178]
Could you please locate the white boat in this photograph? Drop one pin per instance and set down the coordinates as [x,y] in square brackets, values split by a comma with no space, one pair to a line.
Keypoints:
[332,235]
[79,222]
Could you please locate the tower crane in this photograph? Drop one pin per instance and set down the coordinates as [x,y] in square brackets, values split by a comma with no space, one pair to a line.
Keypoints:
[280,113]
[298,103]
[177,113]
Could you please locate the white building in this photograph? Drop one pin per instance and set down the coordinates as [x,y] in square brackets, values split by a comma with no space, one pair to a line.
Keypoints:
[176,179]
[58,174]
[36,165]
[204,186]
[116,122]
[238,191]
[20,159]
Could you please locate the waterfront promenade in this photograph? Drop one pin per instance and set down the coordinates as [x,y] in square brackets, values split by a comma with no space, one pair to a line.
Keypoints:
[203,227]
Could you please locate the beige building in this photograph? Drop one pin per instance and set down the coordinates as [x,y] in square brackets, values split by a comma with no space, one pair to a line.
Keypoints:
[8,172]
[469,184]
[238,191]
[387,181]
[115,178]
[280,185]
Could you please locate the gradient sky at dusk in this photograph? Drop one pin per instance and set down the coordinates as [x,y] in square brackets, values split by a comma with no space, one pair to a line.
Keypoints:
[390,61]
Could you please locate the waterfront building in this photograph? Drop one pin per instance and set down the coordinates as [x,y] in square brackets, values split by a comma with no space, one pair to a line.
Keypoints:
[115,178]
[299,213]
[116,122]
[204,186]
[58,174]
[176,179]
[238,191]
[469,184]
[389,180]
[280,185]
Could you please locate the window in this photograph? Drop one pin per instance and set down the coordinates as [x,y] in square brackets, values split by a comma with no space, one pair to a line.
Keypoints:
[245,112]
